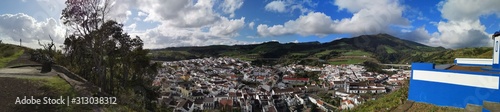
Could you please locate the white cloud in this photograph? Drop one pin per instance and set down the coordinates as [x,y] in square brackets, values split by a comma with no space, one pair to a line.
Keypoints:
[277,6]
[187,22]
[368,18]
[141,14]
[180,13]
[21,26]
[469,9]
[282,6]
[463,28]
[181,23]
[420,35]
[227,28]
[219,34]
[166,36]
[119,11]
[311,24]
[251,24]
[465,33]
[131,27]
[229,6]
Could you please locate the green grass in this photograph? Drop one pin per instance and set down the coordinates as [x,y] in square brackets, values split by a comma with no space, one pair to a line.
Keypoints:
[298,54]
[393,100]
[243,57]
[9,52]
[357,53]
[5,60]
[323,53]
[55,83]
[231,53]
[432,108]
[389,49]
[347,61]
[389,101]
[61,88]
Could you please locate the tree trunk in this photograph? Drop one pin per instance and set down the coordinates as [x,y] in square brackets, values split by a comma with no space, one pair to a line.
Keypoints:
[46,67]
[125,74]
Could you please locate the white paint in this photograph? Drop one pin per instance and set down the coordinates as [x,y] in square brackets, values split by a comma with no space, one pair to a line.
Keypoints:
[464,79]
[475,61]
[496,51]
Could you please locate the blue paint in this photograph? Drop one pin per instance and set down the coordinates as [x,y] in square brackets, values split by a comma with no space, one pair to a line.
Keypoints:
[491,69]
[444,94]
[422,66]
[485,110]
[497,66]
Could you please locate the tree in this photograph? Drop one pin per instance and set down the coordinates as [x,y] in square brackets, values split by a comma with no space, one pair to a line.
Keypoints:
[100,51]
[47,58]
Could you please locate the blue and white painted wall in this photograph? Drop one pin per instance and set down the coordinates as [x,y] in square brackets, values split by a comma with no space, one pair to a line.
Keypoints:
[452,88]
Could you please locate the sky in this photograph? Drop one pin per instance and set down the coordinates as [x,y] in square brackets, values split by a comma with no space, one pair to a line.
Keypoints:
[173,23]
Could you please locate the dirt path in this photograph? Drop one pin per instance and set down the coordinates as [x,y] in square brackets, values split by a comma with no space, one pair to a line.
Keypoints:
[24,59]
[403,108]
[25,72]
[23,67]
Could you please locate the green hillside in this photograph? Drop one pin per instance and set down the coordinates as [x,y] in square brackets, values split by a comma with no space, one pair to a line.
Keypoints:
[9,52]
[381,48]
[449,55]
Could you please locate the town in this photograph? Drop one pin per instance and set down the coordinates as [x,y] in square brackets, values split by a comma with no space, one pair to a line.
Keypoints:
[228,84]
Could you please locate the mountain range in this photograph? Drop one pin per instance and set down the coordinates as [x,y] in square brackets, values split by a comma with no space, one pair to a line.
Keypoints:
[380,48]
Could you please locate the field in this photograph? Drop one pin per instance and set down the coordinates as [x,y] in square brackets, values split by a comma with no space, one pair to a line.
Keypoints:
[389,50]
[357,53]
[9,53]
[347,61]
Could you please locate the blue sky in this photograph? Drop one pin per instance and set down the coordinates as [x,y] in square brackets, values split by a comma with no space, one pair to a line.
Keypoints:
[171,23]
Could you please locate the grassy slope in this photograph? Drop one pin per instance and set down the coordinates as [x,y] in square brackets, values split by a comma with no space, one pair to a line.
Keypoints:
[60,88]
[347,61]
[8,53]
[449,56]
[419,107]
[357,53]
[387,102]
[392,100]
[389,49]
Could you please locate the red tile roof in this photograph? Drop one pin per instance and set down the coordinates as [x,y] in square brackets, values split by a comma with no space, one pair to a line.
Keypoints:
[227,102]
[260,77]
[320,102]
